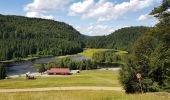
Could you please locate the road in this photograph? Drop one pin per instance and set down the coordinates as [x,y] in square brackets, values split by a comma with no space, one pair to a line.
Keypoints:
[61,88]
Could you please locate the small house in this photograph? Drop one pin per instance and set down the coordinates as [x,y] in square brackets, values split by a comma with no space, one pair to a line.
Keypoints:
[58,71]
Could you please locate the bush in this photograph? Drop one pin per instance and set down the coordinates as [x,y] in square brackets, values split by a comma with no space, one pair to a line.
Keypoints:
[2,71]
[41,68]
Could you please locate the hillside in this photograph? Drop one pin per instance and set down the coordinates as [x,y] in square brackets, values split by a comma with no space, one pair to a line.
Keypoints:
[121,39]
[21,36]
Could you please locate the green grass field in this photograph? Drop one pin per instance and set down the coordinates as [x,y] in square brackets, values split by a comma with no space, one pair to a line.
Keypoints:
[90,52]
[82,95]
[84,78]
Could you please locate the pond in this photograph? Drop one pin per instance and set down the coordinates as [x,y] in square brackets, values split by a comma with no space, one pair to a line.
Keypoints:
[23,67]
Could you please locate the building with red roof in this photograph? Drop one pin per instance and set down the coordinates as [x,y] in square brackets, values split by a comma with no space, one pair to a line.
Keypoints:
[59,71]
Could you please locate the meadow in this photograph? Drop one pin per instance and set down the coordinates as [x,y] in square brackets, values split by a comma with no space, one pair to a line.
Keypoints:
[84,78]
[82,95]
[90,52]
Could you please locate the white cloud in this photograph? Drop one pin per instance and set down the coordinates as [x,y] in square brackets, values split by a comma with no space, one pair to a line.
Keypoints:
[39,8]
[105,10]
[80,7]
[46,5]
[39,15]
[96,29]
[145,17]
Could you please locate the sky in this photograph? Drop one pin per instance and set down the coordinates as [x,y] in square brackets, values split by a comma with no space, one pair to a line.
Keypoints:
[89,17]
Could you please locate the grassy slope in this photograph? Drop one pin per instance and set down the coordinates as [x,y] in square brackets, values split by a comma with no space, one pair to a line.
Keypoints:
[85,78]
[82,95]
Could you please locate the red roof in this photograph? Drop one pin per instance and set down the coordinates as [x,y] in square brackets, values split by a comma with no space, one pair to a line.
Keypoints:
[59,70]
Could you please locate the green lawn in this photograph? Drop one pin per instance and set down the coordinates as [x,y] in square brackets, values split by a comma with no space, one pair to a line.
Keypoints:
[82,95]
[90,52]
[84,78]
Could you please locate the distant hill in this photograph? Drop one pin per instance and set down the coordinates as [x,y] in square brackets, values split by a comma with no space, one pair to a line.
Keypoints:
[122,39]
[22,36]
[87,37]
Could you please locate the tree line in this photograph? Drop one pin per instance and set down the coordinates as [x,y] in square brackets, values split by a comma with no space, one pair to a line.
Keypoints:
[68,63]
[108,57]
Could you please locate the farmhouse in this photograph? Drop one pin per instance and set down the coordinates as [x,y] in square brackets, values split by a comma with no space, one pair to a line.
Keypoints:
[59,71]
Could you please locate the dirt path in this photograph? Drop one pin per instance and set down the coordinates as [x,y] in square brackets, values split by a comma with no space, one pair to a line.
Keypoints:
[61,88]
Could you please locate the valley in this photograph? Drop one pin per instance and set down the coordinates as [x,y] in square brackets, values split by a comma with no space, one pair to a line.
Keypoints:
[124,58]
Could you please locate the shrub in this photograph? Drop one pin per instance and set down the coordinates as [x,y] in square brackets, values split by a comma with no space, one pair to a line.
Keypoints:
[41,68]
[2,71]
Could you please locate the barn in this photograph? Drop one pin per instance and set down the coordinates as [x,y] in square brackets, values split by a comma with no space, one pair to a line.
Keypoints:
[58,71]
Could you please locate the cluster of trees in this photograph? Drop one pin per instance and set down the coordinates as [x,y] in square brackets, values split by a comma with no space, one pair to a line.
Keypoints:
[2,71]
[73,64]
[21,36]
[121,39]
[107,57]
[151,57]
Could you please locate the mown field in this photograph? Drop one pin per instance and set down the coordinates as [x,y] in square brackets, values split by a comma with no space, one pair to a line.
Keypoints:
[84,78]
[82,95]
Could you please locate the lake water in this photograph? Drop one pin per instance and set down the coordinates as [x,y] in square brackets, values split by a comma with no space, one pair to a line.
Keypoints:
[23,67]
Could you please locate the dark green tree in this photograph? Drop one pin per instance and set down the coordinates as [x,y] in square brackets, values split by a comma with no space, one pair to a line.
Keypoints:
[41,68]
[2,71]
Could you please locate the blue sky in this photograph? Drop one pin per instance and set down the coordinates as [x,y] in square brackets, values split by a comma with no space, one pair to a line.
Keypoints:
[90,17]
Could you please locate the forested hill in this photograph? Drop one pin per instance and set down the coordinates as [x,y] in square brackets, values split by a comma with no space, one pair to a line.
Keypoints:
[121,39]
[22,36]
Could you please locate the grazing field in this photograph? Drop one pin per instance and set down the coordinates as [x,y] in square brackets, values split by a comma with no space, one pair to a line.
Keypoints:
[90,52]
[82,95]
[84,78]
